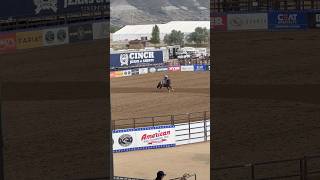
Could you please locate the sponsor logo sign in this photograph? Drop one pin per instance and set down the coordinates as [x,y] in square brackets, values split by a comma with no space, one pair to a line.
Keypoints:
[45,5]
[199,67]
[247,21]
[143,70]
[152,70]
[174,68]
[219,23]
[135,71]
[55,36]
[317,20]
[126,73]
[112,74]
[136,58]
[187,68]
[7,42]
[81,32]
[31,39]
[161,69]
[287,20]
[100,30]
[143,138]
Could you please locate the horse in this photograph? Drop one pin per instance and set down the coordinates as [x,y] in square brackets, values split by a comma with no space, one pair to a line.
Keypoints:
[166,84]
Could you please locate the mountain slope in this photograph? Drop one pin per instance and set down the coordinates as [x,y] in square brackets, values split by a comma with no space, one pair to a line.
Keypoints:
[124,12]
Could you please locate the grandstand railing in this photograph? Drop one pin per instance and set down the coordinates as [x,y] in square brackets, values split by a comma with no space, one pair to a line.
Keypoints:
[263,5]
[159,120]
[300,168]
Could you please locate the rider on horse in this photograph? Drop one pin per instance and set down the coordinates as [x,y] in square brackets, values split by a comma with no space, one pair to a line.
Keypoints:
[165,79]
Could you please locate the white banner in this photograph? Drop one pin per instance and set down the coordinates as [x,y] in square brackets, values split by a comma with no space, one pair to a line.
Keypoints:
[143,70]
[143,138]
[152,70]
[100,30]
[187,68]
[127,73]
[247,21]
[55,36]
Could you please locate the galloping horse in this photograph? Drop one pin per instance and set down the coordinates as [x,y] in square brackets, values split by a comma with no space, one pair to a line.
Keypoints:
[165,83]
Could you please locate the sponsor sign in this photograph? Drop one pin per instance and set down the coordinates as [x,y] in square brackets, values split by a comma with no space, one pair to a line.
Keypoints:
[10,8]
[287,20]
[199,67]
[317,20]
[143,70]
[161,69]
[112,74]
[80,32]
[219,22]
[208,67]
[143,138]
[187,68]
[100,30]
[152,70]
[136,58]
[174,68]
[7,42]
[56,36]
[135,71]
[247,21]
[126,73]
[31,39]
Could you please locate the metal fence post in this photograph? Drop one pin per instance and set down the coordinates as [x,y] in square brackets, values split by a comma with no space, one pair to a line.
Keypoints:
[252,172]
[134,123]
[302,176]
[172,119]
[305,166]
[152,121]
[1,139]
[189,122]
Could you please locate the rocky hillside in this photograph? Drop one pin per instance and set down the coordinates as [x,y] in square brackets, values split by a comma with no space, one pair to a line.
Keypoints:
[124,12]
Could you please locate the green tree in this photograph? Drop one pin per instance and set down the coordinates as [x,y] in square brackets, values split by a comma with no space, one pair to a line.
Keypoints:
[114,29]
[155,35]
[199,36]
[174,38]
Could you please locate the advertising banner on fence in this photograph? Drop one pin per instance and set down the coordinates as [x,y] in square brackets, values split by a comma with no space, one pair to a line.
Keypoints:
[162,69]
[174,68]
[254,21]
[200,67]
[143,70]
[7,42]
[55,36]
[135,71]
[219,22]
[143,138]
[136,58]
[100,30]
[316,20]
[32,8]
[152,70]
[187,68]
[126,73]
[31,39]
[287,20]
[115,74]
[80,32]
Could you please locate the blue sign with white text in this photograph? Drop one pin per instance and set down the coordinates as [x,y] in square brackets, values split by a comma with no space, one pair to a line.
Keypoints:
[200,67]
[287,20]
[138,58]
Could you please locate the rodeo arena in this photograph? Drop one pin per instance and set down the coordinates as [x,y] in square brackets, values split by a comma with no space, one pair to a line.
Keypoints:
[263,48]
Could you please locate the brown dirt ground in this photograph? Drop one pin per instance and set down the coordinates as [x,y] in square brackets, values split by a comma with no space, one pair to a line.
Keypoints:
[265,99]
[137,96]
[193,158]
[47,130]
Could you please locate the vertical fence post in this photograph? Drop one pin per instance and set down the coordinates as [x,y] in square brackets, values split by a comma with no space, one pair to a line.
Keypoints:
[134,123]
[189,122]
[152,121]
[205,126]
[302,176]
[1,139]
[252,172]
[172,119]
[114,124]
[305,166]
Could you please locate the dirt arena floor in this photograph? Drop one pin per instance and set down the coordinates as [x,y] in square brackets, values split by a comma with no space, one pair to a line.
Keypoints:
[137,96]
[54,112]
[194,158]
[266,103]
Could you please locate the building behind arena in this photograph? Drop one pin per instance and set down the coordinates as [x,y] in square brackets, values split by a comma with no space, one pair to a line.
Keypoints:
[133,32]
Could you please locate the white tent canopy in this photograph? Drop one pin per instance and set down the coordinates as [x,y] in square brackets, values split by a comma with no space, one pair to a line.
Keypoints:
[132,32]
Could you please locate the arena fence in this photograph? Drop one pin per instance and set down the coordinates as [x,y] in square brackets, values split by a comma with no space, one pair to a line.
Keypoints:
[184,177]
[305,168]
[159,120]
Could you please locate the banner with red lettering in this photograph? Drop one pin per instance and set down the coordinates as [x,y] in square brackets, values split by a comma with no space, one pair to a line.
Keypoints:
[219,23]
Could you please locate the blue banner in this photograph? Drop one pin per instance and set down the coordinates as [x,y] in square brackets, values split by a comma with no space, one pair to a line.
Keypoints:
[198,67]
[32,8]
[287,20]
[138,58]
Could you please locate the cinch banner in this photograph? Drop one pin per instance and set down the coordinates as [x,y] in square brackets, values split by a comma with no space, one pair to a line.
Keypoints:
[7,42]
[33,8]
[136,58]
[31,39]
[287,20]
[143,138]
